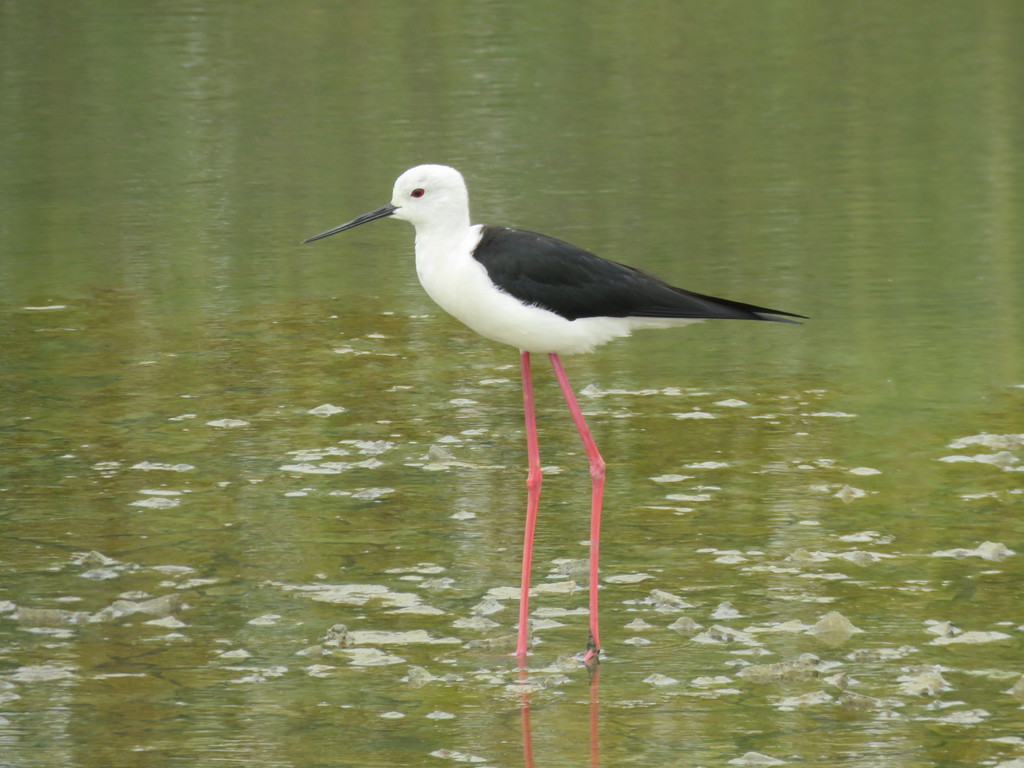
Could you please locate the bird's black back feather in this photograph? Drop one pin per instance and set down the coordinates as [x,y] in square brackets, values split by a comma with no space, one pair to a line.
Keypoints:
[574,283]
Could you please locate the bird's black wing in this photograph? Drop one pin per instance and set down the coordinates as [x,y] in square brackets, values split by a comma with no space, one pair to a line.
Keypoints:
[569,281]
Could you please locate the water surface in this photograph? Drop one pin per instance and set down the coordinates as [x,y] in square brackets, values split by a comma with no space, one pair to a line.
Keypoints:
[185,523]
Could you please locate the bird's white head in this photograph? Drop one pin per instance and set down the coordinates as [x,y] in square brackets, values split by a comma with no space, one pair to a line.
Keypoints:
[432,196]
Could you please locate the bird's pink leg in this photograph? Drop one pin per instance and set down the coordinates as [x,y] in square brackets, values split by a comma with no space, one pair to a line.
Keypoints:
[533,482]
[597,478]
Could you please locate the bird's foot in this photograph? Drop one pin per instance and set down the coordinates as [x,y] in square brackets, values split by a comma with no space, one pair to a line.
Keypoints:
[593,654]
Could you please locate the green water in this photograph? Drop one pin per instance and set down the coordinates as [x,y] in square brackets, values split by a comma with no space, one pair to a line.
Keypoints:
[164,339]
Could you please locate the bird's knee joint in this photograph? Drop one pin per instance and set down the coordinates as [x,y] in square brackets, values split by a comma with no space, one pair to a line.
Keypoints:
[534,479]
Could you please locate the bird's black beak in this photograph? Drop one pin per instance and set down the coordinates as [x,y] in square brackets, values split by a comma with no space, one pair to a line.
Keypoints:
[380,213]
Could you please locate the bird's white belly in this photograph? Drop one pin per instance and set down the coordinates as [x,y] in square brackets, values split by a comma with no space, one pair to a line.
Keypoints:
[462,287]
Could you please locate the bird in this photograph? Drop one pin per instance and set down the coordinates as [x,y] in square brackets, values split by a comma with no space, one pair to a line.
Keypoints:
[541,295]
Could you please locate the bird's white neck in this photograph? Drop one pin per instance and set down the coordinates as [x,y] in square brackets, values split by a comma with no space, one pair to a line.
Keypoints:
[443,256]
[438,244]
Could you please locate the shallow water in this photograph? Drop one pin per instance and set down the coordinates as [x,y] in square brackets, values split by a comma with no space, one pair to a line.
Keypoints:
[217,446]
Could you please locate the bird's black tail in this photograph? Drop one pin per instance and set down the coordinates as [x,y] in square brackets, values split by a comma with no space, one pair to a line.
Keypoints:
[771,314]
[699,305]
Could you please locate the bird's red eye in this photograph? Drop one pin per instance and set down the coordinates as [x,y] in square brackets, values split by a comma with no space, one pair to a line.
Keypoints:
[418,192]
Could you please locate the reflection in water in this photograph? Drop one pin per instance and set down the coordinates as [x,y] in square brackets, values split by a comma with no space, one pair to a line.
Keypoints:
[594,730]
[524,707]
[593,719]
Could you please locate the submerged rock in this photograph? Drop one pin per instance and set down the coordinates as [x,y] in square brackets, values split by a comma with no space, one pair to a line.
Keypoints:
[665,601]
[801,555]
[658,680]
[941,628]
[710,682]
[685,626]
[987,550]
[477,623]
[848,493]
[807,666]
[93,558]
[320,670]
[991,550]
[165,605]
[987,440]
[876,655]
[503,644]
[923,681]
[858,701]
[418,676]
[833,629]
[971,638]
[1001,459]
[486,607]
[377,637]
[1017,691]
[725,610]
[803,700]
[50,617]
[40,673]
[227,423]
[964,717]
[371,657]
[756,760]
[860,557]
[336,636]
[720,634]
[326,410]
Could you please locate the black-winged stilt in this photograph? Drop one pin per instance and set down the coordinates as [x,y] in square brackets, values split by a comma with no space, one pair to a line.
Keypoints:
[538,294]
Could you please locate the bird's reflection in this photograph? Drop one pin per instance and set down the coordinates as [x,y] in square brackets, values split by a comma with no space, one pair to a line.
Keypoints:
[594,670]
